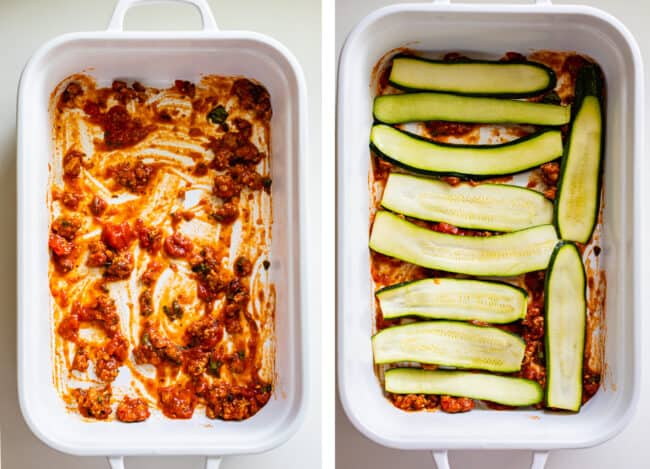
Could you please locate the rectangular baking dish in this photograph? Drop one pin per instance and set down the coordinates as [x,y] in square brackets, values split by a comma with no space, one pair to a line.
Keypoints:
[492,29]
[156,59]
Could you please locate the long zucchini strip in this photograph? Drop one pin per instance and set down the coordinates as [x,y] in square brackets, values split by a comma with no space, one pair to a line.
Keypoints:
[457,299]
[423,156]
[578,195]
[504,390]
[494,207]
[500,255]
[565,321]
[418,107]
[450,343]
[472,77]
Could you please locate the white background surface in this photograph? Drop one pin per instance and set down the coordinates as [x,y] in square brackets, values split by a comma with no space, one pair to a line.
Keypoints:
[628,450]
[24,26]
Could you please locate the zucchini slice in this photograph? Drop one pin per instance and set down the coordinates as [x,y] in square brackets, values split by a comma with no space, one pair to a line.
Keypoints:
[578,196]
[495,207]
[566,316]
[504,390]
[416,107]
[500,255]
[450,343]
[457,299]
[472,77]
[419,155]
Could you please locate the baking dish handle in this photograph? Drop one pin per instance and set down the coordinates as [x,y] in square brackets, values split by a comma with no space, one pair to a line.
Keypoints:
[211,462]
[441,457]
[117,20]
[116,462]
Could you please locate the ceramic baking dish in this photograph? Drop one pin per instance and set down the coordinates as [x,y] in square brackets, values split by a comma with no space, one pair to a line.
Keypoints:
[156,59]
[492,30]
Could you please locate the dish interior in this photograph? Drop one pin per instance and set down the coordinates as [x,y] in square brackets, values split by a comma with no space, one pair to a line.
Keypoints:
[387,271]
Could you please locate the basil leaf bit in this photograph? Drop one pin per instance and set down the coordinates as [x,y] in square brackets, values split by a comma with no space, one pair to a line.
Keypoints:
[215,367]
[218,115]
[552,98]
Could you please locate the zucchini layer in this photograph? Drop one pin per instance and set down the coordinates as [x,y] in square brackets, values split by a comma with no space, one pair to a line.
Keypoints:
[473,77]
[495,207]
[566,313]
[500,255]
[450,343]
[500,389]
[423,156]
[457,299]
[417,107]
[579,187]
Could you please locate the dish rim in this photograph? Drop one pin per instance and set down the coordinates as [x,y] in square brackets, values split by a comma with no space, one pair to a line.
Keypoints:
[297,417]
[636,268]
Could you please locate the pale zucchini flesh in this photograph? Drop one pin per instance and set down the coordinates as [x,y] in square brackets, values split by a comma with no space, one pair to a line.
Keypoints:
[565,324]
[419,107]
[455,299]
[450,343]
[423,156]
[503,390]
[472,77]
[494,207]
[500,255]
[578,192]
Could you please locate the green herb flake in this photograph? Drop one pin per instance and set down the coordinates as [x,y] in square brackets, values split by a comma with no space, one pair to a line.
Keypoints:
[174,312]
[218,115]
[214,367]
[200,268]
[241,354]
[146,340]
[551,98]
[215,216]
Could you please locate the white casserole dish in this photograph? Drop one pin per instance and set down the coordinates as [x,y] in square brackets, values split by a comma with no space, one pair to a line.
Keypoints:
[156,59]
[492,29]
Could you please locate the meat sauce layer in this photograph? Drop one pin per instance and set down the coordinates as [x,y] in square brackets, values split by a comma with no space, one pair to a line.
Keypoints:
[160,234]
[386,270]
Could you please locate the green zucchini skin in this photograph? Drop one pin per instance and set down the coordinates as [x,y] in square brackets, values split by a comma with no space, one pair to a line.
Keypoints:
[500,255]
[423,156]
[430,106]
[581,168]
[504,390]
[494,207]
[565,324]
[454,299]
[473,71]
[450,343]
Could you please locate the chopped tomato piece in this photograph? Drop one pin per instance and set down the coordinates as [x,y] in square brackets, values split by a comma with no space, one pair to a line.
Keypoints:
[118,237]
[59,245]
